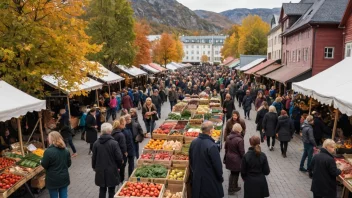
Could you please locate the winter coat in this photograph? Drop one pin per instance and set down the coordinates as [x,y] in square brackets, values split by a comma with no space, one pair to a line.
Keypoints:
[205,168]
[247,102]
[156,100]
[307,134]
[65,130]
[56,162]
[106,160]
[136,128]
[234,151]
[229,125]
[259,102]
[253,171]
[120,138]
[269,124]
[126,102]
[229,106]
[145,110]
[129,140]
[172,96]
[91,131]
[285,128]
[324,174]
[136,97]
[278,106]
[318,128]
[259,119]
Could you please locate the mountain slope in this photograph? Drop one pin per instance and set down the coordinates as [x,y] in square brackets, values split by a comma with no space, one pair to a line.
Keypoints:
[215,18]
[171,13]
[236,15]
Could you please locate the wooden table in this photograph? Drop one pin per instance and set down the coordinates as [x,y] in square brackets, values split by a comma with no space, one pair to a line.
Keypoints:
[26,178]
[347,187]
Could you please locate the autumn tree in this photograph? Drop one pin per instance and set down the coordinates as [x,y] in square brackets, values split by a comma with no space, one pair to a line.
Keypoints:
[167,49]
[143,46]
[111,24]
[43,38]
[231,43]
[204,59]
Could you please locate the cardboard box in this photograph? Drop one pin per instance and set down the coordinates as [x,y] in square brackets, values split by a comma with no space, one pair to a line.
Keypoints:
[38,181]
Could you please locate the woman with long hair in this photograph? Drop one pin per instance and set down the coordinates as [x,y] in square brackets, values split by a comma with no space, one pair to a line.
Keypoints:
[259,119]
[149,113]
[254,168]
[56,161]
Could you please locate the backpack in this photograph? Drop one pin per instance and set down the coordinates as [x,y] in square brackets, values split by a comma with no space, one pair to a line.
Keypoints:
[113,103]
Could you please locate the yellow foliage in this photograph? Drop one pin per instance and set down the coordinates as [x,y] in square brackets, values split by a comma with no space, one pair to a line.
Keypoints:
[167,49]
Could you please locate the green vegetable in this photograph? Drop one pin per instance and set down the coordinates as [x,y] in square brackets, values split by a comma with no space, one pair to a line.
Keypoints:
[218,127]
[151,171]
[173,116]
[186,113]
[207,116]
[198,116]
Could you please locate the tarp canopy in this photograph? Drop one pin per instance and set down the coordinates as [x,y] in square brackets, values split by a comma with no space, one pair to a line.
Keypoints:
[176,65]
[15,103]
[234,63]
[228,61]
[88,85]
[260,66]
[150,69]
[132,71]
[285,74]
[252,64]
[171,67]
[158,67]
[331,86]
[106,76]
[269,69]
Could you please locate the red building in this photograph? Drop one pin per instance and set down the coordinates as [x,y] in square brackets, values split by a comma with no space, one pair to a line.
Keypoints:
[311,40]
[346,24]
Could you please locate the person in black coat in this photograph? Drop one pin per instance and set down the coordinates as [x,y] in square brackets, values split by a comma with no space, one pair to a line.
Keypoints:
[91,129]
[125,122]
[254,168]
[285,130]
[157,101]
[106,160]
[259,119]
[205,165]
[324,172]
[228,106]
[119,136]
[318,128]
[241,94]
[136,131]
[269,126]
[247,104]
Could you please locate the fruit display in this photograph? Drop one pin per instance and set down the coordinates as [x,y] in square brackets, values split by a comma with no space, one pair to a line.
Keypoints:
[6,162]
[179,107]
[180,156]
[176,133]
[213,104]
[146,156]
[174,116]
[194,130]
[192,126]
[138,189]
[168,125]
[215,110]
[172,145]
[216,134]
[345,167]
[168,194]
[162,156]
[192,106]
[151,171]
[191,134]
[185,148]
[7,180]
[160,131]
[180,125]
[207,116]
[198,116]
[177,174]
[155,144]
[39,152]
[203,109]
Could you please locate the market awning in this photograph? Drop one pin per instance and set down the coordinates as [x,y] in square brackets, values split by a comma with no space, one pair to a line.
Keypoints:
[176,65]
[234,63]
[269,69]
[228,61]
[331,86]
[15,103]
[260,66]
[252,64]
[150,69]
[158,67]
[88,84]
[171,67]
[132,71]
[106,76]
[285,73]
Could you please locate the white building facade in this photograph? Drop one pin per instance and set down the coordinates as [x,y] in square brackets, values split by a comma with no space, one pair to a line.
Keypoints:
[195,47]
[274,40]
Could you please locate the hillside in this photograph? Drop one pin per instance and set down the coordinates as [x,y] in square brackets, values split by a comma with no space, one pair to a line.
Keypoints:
[215,18]
[236,15]
[171,13]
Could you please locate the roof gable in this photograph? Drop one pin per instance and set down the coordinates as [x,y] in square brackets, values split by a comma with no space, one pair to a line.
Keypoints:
[347,14]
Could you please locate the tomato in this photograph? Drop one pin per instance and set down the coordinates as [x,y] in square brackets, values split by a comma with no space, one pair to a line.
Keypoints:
[121,194]
[151,194]
[133,194]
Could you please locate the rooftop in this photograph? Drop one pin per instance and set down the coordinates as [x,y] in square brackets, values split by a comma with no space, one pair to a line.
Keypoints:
[295,8]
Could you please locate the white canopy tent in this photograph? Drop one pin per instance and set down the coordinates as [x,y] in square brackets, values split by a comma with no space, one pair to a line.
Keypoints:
[132,71]
[176,65]
[15,103]
[107,76]
[252,64]
[150,69]
[171,67]
[330,87]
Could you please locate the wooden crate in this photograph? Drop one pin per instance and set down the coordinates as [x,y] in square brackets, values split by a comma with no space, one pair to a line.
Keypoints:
[175,188]
[172,181]
[179,162]
[149,180]
[176,137]
[38,181]
[189,139]
[124,184]
[158,136]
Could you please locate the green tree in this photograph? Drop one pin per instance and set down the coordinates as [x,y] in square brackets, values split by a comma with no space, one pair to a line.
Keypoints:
[111,24]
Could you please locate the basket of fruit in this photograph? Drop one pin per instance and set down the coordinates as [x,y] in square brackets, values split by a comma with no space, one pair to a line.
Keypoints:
[140,189]
[190,136]
[176,135]
[163,157]
[150,173]
[180,159]
[6,162]
[145,158]
[8,180]
[175,191]
[177,176]
[154,145]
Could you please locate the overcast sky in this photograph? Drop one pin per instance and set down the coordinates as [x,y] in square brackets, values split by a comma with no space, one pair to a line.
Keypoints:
[222,5]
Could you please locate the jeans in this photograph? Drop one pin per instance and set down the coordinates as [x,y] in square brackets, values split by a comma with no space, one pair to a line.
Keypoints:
[268,141]
[130,160]
[158,109]
[149,125]
[136,149]
[68,141]
[246,113]
[102,192]
[108,114]
[58,193]
[283,146]
[113,113]
[308,152]
[172,104]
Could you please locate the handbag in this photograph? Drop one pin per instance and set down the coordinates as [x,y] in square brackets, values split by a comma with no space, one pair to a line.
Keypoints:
[139,138]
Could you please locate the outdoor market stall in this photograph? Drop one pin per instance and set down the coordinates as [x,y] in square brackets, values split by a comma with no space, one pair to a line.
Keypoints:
[15,104]
[171,67]
[149,69]
[158,67]
[251,64]
[133,72]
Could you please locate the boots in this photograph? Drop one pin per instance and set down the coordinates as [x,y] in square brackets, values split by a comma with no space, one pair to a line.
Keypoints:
[233,184]
[236,188]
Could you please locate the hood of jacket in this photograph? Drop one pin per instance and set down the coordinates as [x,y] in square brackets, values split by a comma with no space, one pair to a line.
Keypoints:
[105,138]
[283,118]
[116,131]
[306,124]
[234,134]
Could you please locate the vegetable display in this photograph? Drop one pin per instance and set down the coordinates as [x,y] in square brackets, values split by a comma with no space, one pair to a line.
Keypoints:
[176,174]
[207,116]
[5,162]
[151,171]
[176,133]
[173,116]
[39,152]
[192,134]
[160,131]
[198,116]
[13,155]
[180,125]
[185,148]
[172,145]
[180,157]
[186,114]
[155,144]
[168,194]
[162,156]
[140,189]
[7,180]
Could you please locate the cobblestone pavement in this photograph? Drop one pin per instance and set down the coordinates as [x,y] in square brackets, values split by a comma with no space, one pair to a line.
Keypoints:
[285,181]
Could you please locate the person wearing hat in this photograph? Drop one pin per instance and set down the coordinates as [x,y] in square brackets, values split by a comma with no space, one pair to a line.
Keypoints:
[157,101]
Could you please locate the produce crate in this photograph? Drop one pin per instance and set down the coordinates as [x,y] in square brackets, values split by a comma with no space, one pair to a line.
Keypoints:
[195,121]
[124,184]
[150,180]
[38,181]
[189,139]
[140,160]
[172,181]
[176,137]
[194,96]
[158,136]
[179,162]
[175,188]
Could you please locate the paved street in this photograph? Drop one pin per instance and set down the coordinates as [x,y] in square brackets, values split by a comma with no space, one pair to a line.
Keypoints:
[284,180]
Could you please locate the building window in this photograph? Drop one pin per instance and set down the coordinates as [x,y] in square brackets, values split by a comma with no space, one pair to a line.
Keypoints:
[299,56]
[294,56]
[186,52]
[284,58]
[279,54]
[197,52]
[348,52]
[186,57]
[216,52]
[329,53]
[203,52]
[192,58]
[186,46]
[192,46]
[203,46]
[305,54]
[208,46]
[192,52]
[197,46]
[208,52]
[197,58]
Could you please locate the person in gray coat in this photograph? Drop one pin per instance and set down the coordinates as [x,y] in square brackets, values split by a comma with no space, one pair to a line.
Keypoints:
[308,142]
